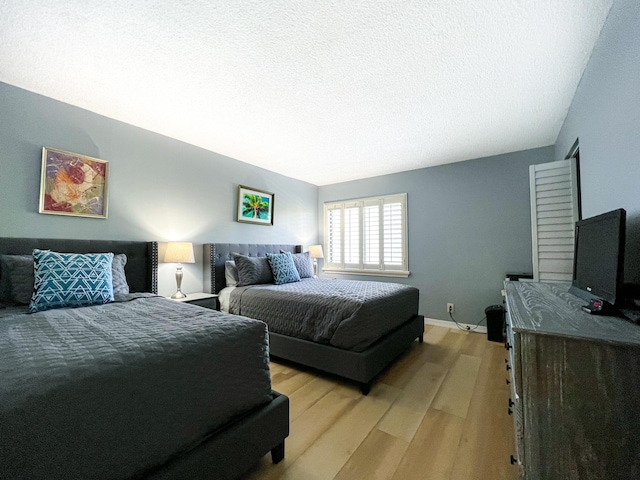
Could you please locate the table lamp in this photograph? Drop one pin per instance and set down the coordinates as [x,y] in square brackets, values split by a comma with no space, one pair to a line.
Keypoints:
[179,252]
[316,252]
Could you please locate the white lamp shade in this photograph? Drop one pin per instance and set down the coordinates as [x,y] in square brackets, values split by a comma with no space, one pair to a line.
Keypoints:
[316,251]
[179,252]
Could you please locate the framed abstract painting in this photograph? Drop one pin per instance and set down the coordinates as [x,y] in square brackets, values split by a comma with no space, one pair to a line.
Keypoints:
[255,206]
[73,184]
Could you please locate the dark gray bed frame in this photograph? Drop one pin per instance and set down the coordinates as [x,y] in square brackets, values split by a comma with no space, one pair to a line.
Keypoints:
[362,367]
[223,453]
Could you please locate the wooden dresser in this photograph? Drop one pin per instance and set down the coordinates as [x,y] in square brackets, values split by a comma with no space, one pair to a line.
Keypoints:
[575,387]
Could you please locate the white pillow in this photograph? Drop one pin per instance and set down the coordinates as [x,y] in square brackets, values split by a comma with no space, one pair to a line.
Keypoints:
[231,273]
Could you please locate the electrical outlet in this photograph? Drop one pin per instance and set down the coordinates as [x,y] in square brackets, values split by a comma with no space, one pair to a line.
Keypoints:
[450,307]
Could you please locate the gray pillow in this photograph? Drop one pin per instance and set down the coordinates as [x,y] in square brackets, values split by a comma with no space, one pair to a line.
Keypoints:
[17,271]
[5,284]
[231,273]
[252,270]
[120,285]
[304,264]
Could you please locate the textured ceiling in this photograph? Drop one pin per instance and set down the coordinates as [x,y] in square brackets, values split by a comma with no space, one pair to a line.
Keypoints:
[323,91]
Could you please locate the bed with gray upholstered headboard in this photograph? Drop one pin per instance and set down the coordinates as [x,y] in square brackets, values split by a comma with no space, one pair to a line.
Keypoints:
[216,254]
[129,387]
[348,328]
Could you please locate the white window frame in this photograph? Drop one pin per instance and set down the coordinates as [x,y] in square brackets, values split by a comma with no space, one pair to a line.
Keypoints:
[360,268]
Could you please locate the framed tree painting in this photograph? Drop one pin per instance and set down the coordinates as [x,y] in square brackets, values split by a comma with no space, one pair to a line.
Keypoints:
[73,184]
[255,206]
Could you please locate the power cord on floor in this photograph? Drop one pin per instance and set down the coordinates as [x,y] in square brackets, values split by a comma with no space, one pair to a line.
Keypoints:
[467,328]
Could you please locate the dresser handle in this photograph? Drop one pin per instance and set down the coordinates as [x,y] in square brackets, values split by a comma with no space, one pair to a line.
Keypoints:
[508,381]
[507,346]
[509,411]
[511,404]
[508,367]
[513,460]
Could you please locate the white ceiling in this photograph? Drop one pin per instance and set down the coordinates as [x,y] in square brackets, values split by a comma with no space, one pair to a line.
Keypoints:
[323,91]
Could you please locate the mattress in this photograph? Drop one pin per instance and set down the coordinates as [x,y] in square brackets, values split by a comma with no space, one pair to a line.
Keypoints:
[346,314]
[110,391]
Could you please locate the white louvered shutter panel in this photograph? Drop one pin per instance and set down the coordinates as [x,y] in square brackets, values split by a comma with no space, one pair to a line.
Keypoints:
[554,211]
[371,231]
[393,234]
[334,236]
[351,229]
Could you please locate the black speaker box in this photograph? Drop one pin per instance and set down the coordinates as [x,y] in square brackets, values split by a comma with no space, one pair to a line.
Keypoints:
[495,323]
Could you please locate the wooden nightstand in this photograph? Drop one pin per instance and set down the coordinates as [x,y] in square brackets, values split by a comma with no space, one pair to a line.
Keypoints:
[206,300]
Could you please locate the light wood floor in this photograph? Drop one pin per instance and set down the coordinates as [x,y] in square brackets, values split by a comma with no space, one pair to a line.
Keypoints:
[440,412]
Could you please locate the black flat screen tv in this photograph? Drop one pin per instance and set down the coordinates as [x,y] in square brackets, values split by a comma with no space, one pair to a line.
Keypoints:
[598,261]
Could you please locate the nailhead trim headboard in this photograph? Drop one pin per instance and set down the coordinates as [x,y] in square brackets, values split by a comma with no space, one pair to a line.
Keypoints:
[216,254]
[142,257]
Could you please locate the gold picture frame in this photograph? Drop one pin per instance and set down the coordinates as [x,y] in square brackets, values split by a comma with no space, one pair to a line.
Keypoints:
[73,184]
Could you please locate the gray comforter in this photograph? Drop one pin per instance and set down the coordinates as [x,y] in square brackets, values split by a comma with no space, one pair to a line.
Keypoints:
[343,313]
[112,390]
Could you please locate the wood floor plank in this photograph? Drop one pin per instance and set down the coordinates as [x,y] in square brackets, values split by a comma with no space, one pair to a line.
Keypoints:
[375,459]
[293,383]
[316,421]
[475,344]
[307,395]
[431,454]
[405,415]
[435,334]
[326,457]
[306,429]
[446,351]
[279,367]
[457,388]
[348,389]
[401,372]
[480,455]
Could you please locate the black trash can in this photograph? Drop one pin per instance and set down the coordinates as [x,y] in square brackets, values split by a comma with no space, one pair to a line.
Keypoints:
[495,323]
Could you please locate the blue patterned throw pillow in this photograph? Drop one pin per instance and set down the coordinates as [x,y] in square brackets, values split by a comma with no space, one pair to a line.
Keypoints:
[71,280]
[283,268]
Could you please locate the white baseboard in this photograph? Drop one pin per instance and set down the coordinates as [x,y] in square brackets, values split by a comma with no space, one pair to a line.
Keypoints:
[448,324]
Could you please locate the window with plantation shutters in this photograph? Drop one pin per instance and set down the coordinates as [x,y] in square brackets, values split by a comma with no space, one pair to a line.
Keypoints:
[367,235]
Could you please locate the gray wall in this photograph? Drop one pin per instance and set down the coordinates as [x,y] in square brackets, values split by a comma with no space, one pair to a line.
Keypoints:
[160,189]
[605,116]
[469,224]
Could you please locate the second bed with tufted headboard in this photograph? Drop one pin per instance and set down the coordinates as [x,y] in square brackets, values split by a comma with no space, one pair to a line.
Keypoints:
[349,328]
